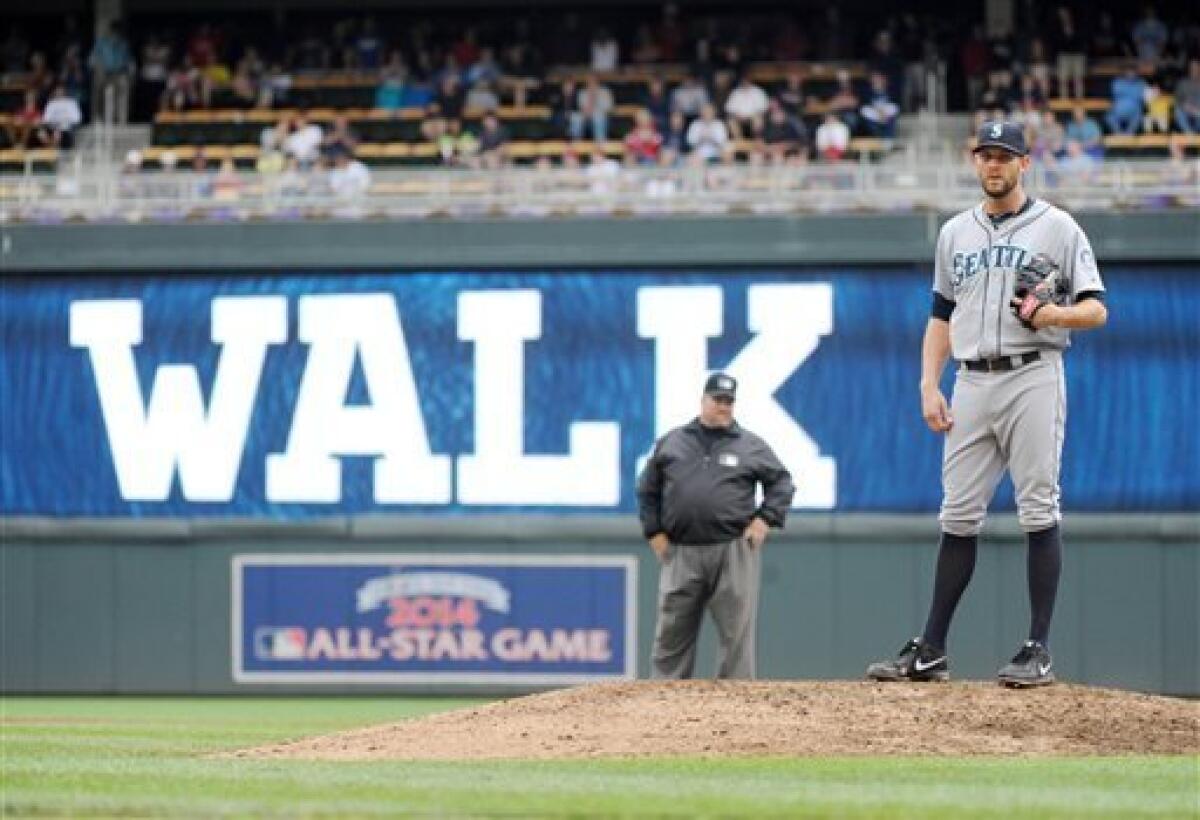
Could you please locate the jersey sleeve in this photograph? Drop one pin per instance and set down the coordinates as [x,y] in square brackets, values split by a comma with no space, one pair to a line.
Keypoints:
[943,281]
[1082,271]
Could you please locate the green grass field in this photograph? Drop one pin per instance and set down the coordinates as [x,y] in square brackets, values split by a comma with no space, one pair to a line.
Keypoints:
[144,757]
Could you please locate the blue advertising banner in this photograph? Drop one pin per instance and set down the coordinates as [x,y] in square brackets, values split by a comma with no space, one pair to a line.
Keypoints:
[433,618]
[295,396]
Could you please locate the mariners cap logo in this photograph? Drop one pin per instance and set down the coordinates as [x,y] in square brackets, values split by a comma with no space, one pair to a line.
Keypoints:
[1000,134]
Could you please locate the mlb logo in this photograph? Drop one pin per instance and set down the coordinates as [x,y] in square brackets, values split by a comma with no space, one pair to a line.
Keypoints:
[279,643]
[728,460]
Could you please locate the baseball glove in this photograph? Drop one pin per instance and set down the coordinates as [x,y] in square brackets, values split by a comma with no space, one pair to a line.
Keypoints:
[1038,283]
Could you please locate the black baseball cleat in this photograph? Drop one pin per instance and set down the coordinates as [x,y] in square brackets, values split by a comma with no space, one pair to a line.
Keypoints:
[1029,667]
[917,661]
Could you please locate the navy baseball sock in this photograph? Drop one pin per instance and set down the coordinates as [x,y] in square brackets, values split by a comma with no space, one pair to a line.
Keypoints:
[956,563]
[1044,566]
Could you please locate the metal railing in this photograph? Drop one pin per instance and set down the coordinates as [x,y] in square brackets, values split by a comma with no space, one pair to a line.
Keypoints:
[79,193]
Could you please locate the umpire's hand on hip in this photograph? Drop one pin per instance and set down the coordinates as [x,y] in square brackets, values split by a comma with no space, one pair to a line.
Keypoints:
[659,543]
[756,533]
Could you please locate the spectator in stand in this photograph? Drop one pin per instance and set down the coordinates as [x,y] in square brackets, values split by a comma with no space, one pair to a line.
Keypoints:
[227,183]
[485,69]
[450,98]
[393,84]
[645,47]
[304,141]
[884,60]
[844,102]
[1149,37]
[1068,43]
[602,171]
[466,50]
[593,104]
[910,46]
[1128,102]
[24,129]
[1085,131]
[40,78]
[493,142]
[561,102]
[187,88]
[674,144]
[791,95]
[707,137]
[369,46]
[881,112]
[1077,166]
[745,108]
[202,47]
[246,84]
[275,88]
[1105,42]
[457,145]
[657,102]
[1158,108]
[973,58]
[482,97]
[689,97]
[61,117]
[1037,67]
[348,178]
[998,96]
[783,136]
[112,71]
[152,80]
[643,143]
[606,52]
[340,138]
[1187,100]
[719,89]
[73,77]
[1050,139]
[670,35]
[833,138]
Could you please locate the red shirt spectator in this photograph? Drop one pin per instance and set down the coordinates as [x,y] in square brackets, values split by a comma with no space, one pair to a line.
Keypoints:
[202,48]
[643,143]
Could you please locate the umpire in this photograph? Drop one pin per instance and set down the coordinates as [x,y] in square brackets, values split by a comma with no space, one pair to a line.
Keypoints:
[697,503]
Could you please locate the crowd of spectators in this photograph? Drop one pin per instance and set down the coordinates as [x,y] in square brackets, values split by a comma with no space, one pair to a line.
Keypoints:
[445,68]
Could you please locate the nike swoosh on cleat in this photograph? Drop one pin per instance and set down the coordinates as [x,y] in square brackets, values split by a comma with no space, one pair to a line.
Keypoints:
[924,667]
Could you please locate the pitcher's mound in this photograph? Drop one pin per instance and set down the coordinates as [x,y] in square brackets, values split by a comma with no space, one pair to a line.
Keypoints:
[719,718]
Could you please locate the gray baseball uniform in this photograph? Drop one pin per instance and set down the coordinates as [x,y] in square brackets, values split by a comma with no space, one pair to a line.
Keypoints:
[1009,401]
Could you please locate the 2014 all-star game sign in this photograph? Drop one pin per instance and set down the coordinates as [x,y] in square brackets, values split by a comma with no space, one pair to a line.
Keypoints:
[379,618]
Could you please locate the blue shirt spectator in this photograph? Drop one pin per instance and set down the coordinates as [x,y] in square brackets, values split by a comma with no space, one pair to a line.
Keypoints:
[1086,131]
[1128,96]
[1149,37]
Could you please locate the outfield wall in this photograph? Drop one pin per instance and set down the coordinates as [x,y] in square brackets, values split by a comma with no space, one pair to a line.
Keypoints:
[138,613]
[126,495]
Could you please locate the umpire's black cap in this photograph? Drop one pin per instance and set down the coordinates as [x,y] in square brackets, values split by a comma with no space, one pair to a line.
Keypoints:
[999,134]
[721,384]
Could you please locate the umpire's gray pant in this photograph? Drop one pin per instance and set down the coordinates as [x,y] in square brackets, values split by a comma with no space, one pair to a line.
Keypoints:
[722,577]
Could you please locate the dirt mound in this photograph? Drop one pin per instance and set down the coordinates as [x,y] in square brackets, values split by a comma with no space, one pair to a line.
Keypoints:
[719,719]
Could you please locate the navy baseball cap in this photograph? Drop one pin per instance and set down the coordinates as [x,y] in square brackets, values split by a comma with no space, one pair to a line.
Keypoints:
[721,384]
[1007,135]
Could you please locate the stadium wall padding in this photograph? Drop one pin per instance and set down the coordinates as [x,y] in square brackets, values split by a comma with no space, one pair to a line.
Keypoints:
[830,239]
[155,617]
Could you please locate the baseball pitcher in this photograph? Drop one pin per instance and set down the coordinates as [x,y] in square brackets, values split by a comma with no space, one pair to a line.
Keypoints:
[1013,276]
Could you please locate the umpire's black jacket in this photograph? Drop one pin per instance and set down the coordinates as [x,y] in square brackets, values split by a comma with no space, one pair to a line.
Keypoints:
[699,485]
